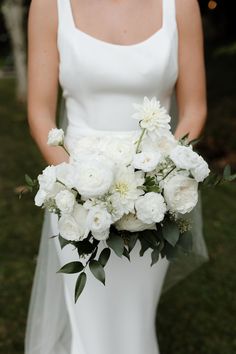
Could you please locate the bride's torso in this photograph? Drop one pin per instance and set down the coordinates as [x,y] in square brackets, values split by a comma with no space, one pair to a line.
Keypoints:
[101,80]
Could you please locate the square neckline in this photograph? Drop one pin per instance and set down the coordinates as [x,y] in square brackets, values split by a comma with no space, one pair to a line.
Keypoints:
[103,42]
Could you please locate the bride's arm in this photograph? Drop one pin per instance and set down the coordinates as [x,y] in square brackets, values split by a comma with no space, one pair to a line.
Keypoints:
[43,76]
[190,88]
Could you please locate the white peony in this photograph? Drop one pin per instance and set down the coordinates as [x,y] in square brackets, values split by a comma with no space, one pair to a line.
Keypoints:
[201,171]
[65,173]
[131,223]
[146,161]
[47,179]
[184,157]
[152,115]
[55,137]
[119,150]
[73,227]
[94,176]
[125,189]
[181,193]
[99,222]
[150,208]
[65,201]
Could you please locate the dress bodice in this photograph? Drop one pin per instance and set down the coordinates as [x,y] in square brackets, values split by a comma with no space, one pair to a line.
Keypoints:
[101,80]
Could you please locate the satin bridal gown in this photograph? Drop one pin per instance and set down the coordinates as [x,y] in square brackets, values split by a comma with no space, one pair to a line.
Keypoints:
[100,81]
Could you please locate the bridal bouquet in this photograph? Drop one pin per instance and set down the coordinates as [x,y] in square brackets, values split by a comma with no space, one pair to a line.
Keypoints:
[122,190]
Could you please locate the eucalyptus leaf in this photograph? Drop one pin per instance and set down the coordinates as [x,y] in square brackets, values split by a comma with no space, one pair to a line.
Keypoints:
[116,243]
[171,232]
[80,284]
[97,270]
[104,256]
[71,268]
[155,256]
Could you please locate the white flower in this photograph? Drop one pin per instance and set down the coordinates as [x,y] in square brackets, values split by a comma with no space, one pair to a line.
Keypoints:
[152,115]
[131,223]
[47,179]
[201,171]
[184,157]
[119,150]
[55,137]
[73,227]
[65,173]
[85,145]
[99,222]
[40,197]
[164,143]
[125,189]
[65,201]
[150,208]
[146,160]
[181,193]
[94,176]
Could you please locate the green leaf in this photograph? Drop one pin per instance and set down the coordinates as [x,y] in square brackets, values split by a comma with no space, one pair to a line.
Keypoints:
[171,232]
[170,252]
[85,247]
[97,270]
[116,243]
[186,241]
[71,268]
[80,284]
[145,245]
[227,171]
[126,254]
[63,242]
[104,256]
[132,239]
[155,256]
[231,178]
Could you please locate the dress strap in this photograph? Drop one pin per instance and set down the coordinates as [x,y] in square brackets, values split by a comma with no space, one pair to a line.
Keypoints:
[65,17]
[169,14]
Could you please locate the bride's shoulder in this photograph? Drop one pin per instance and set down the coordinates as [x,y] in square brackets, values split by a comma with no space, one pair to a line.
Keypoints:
[43,13]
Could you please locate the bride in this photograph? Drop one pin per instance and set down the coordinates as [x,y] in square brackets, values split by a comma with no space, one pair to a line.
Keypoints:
[106,55]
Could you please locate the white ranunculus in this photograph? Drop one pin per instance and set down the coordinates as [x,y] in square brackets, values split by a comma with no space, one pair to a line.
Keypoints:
[181,193]
[164,144]
[184,157]
[47,179]
[55,137]
[131,223]
[201,171]
[65,173]
[65,201]
[146,161]
[99,222]
[73,227]
[150,208]
[125,189]
[152,115]
[94,176]
[119,150]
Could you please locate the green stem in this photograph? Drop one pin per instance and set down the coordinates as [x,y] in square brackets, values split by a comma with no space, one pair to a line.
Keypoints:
[140,139]
[168,173]
[63,146]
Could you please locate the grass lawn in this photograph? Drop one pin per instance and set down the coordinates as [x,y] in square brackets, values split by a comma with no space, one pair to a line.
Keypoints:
[195,317]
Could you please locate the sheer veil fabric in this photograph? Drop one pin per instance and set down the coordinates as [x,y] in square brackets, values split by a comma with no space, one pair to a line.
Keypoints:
[100,81]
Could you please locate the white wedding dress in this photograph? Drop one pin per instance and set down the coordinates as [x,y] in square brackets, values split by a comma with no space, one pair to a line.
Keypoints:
[100,81]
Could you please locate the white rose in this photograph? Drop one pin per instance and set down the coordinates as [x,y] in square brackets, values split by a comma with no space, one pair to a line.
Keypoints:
[99,222]
[131,223]
[73,227]
[40,197]
[146,161]
[94,176]
[119,150]
[65,201]
[184,157]
[65,173]
[47,179]
[181,193]
[201,171]
[85,145]
[55,137]
[150,208]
